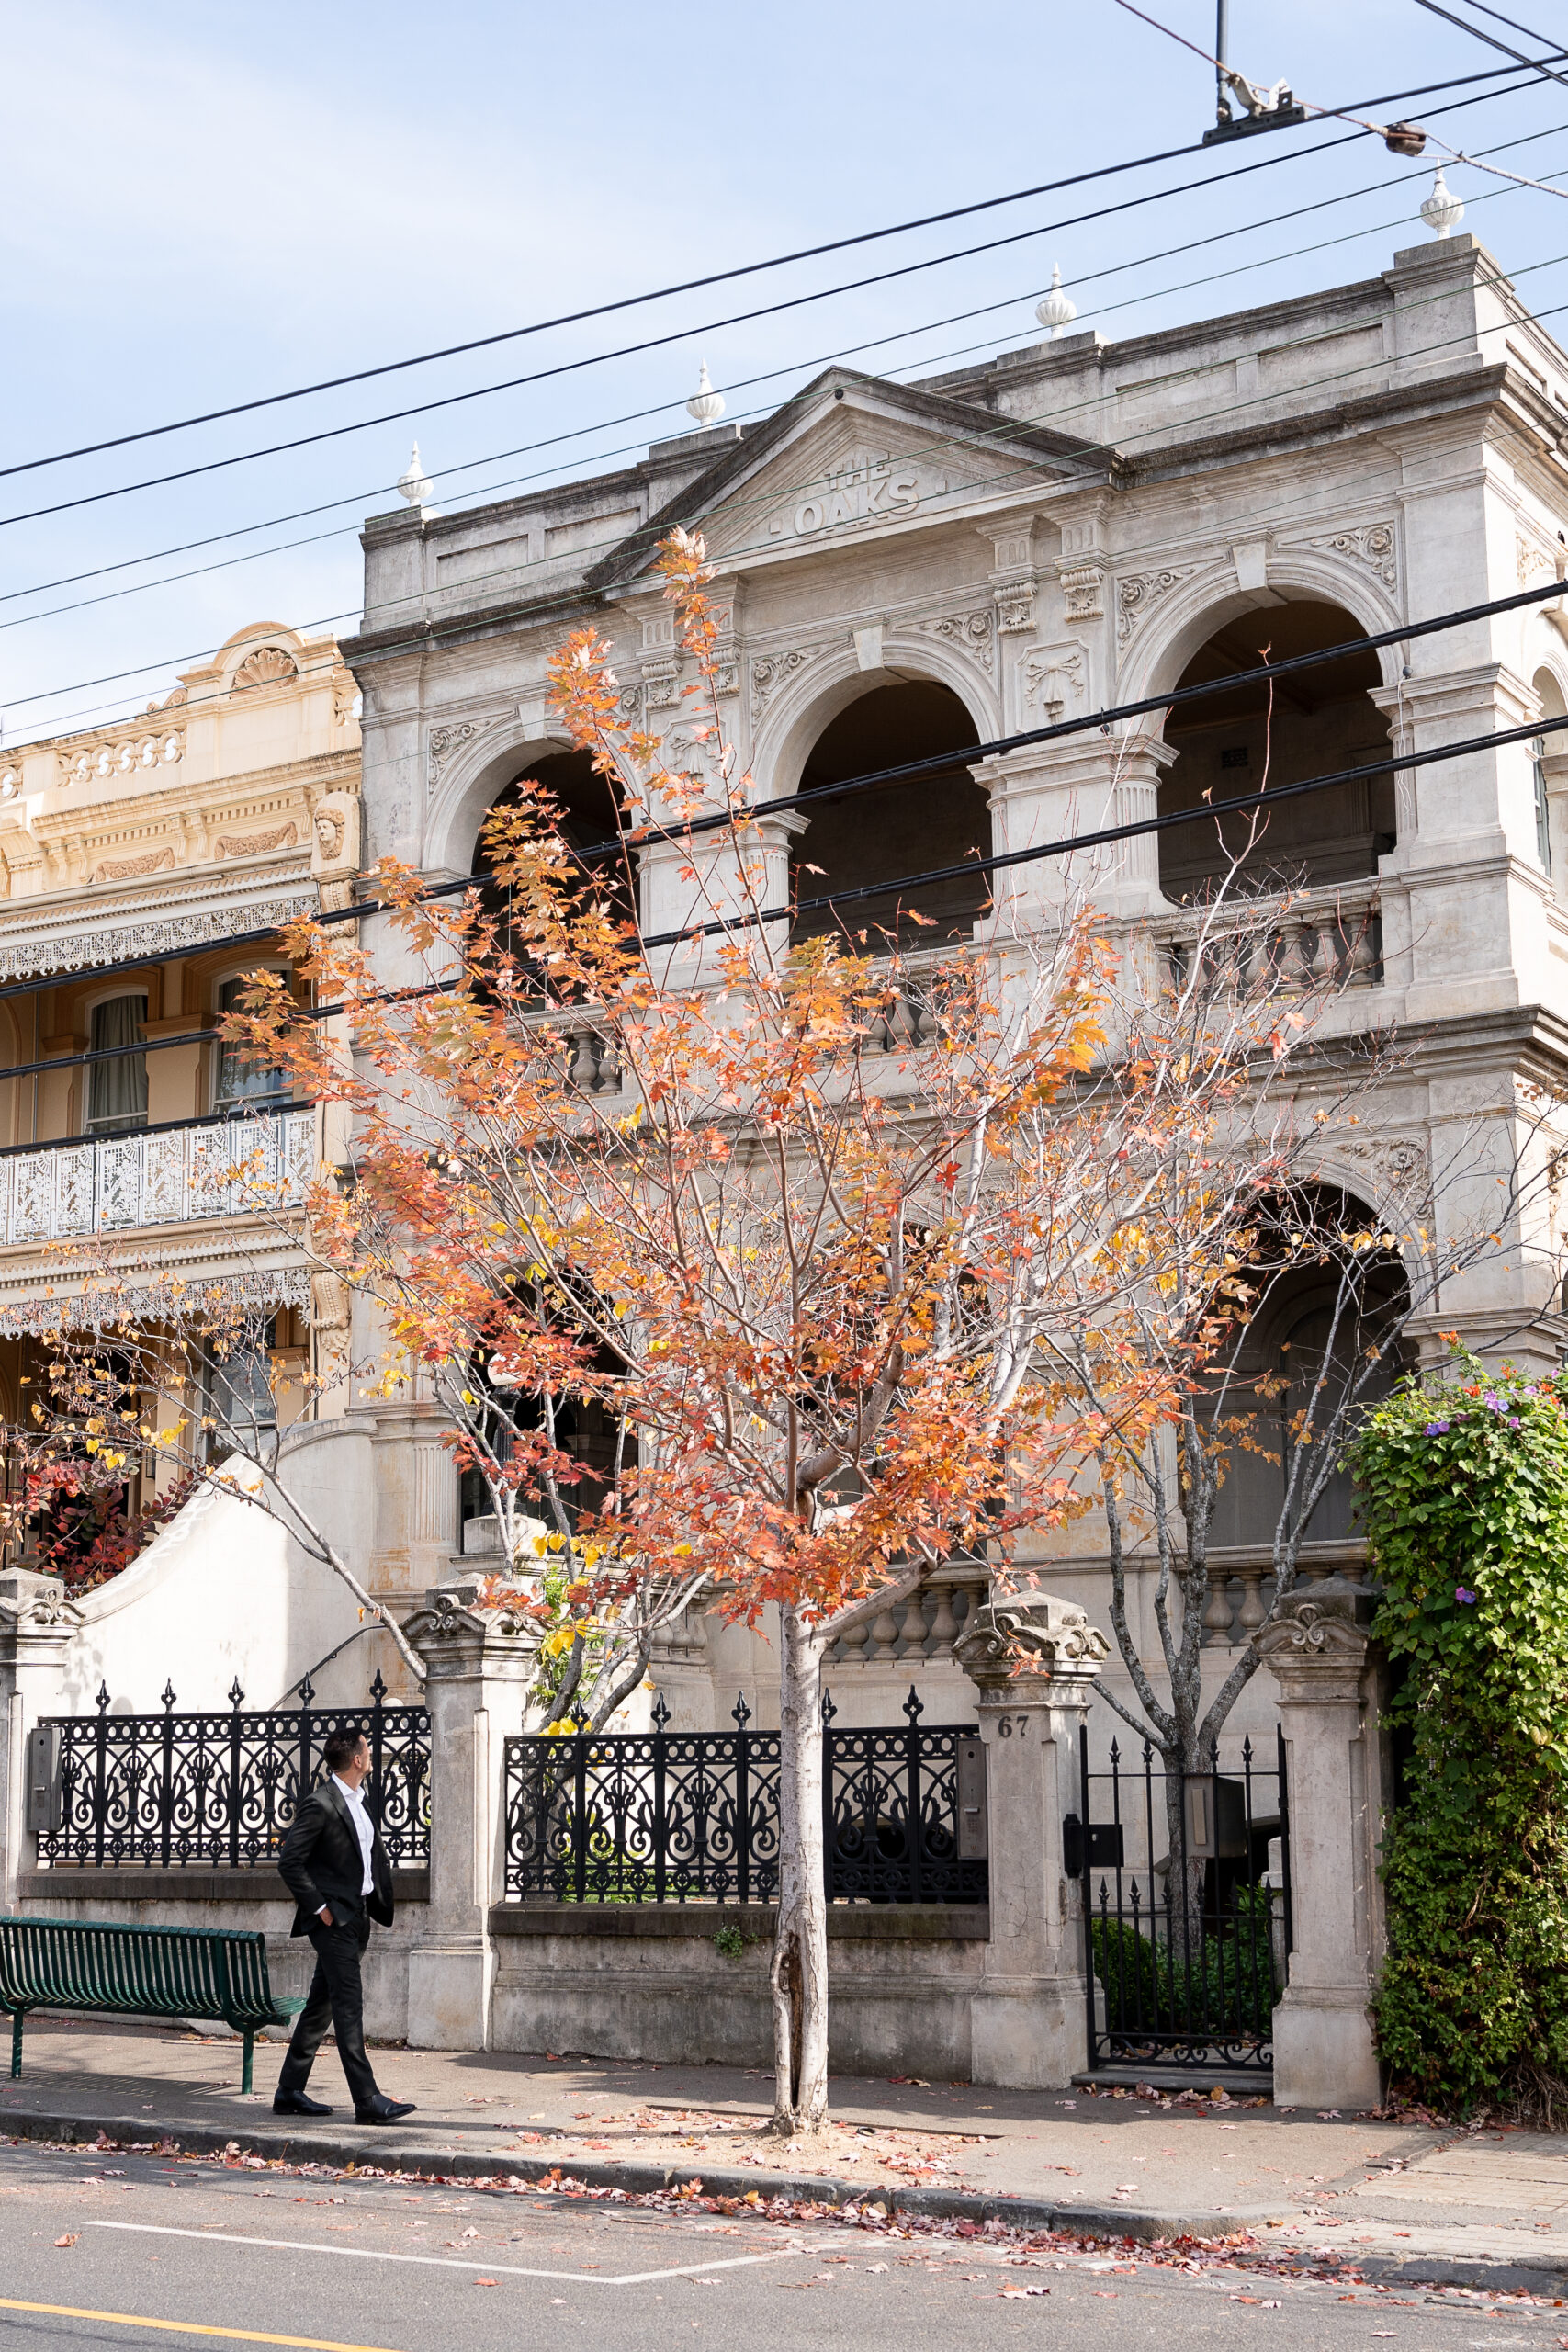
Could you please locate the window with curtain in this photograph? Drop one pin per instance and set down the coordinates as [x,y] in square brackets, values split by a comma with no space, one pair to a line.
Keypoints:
[117,1091]
[243,1083]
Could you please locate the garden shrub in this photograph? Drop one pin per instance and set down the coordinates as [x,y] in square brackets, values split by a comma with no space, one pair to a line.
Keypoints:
[1464,1496]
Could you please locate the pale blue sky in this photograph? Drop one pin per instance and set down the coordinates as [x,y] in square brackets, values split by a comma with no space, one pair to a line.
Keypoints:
[204,203]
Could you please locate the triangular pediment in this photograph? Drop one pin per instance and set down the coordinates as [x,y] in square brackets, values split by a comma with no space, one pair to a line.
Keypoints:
[853,456]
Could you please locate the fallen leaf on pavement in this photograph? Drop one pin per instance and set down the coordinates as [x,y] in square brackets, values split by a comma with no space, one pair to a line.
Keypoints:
[70,2241]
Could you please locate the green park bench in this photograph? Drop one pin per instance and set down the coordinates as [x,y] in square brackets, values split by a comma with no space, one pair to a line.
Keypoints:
[204,1972]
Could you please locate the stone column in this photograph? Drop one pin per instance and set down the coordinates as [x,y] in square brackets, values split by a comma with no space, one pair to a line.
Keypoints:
[1036,1661]
[37,1625]
[1316,1650]
[480,1662]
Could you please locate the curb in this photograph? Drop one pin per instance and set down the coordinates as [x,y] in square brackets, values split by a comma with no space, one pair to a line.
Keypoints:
[306,2147]
[1110,2223]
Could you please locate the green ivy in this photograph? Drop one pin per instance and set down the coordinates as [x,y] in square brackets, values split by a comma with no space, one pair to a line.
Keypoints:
[1464,1496]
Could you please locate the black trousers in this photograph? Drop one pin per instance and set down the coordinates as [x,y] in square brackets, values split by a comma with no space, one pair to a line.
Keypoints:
[336,1998]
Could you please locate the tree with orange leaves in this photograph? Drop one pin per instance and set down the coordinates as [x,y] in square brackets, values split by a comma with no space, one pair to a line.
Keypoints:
[816,1243]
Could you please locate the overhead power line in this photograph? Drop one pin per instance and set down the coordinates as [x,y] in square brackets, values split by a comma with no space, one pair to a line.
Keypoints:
[834,901]
[426,634]
[746,383]
[1264,673]
[692,284]
[712,326]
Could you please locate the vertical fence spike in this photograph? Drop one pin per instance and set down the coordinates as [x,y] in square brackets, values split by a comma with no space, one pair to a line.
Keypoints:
[912,1706]
[168,1697]
[307,1691]
[660,1713]
[829,1710]
[378,1689]
[740,1714]
[236,1696]
[101,1701]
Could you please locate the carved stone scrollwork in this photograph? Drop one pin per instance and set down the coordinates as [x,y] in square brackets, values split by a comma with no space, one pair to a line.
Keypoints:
[445,741]
[1138,594]
[975,633]
[1054,679]
[1316,1643]
[1372,544]
[1029,1634]
[770,670]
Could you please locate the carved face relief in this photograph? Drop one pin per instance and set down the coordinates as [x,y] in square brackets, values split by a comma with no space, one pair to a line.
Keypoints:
[329,833]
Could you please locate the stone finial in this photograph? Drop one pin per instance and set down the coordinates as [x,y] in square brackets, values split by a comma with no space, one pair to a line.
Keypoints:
[414,483]
[1442,211]
[1056,310]
[1029,1634]
[705,405]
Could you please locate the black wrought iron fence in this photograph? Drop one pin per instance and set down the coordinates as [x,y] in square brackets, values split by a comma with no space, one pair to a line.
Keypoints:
[216,1792]
[1187,1907]
[664,1816]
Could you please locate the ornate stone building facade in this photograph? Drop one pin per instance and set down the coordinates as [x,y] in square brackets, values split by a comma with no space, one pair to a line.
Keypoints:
[142,866]
[905,570]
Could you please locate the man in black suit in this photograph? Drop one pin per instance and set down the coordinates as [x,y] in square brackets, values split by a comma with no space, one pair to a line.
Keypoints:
[335,1867]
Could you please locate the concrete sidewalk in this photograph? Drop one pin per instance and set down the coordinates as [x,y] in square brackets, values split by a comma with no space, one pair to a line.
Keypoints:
[1083,2161]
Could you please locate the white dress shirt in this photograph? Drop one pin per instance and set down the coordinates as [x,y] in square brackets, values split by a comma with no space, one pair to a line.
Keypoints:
[362,1828]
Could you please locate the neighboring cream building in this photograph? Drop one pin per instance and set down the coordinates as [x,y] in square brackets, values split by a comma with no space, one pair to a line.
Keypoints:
[905,568]
[143,866]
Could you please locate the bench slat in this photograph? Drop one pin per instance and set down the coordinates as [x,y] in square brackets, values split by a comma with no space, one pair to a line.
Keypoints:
[151,1972]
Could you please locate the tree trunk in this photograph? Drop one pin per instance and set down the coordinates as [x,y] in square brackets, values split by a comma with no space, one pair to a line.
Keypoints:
[800,1948]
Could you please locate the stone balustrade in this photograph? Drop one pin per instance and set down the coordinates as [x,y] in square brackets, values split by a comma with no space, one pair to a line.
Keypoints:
[1311,939]
[1241,1585]
[925,1624]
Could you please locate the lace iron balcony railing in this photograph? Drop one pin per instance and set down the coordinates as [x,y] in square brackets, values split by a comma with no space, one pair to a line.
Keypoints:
[157,1176]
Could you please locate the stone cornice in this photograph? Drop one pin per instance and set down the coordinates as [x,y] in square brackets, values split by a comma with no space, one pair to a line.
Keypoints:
[1425,399]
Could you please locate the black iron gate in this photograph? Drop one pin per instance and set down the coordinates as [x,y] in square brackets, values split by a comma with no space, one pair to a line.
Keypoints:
[1187,1907]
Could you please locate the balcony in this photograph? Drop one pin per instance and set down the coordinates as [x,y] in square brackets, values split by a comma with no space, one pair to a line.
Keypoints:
[204,1167]
[1324,939]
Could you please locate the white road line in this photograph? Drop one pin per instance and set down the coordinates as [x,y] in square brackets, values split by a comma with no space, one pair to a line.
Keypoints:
[439,2261]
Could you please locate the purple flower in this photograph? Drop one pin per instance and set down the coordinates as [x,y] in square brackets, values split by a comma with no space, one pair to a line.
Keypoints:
[1492,1401]
[1436,1429]
[1513,1420]
[1460,1594]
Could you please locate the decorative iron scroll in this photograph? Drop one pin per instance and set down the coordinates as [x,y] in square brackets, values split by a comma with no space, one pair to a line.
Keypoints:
[664,1816]
[218,1791]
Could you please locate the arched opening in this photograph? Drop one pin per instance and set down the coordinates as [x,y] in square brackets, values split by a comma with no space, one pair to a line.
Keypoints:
[583,1428]
[1321,1349]
[907,827]
[1549,777]
[586,802]
[1316,723]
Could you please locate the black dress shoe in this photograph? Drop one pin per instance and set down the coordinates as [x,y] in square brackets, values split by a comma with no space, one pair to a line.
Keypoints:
[295,2103]
[386,2110]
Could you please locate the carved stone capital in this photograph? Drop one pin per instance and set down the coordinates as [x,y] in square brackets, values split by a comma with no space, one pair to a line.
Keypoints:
[461,1635]
[1315,1644]
[1020,1640]
[34,1609]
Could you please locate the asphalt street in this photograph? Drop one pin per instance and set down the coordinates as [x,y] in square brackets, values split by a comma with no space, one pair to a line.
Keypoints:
[131,2250]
